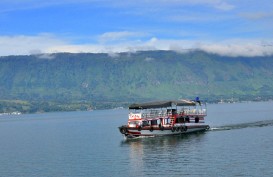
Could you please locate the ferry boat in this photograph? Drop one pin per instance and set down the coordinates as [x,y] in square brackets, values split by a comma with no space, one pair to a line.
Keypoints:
[165,118]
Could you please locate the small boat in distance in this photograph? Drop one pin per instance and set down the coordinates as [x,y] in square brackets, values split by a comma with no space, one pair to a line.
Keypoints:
[165,118]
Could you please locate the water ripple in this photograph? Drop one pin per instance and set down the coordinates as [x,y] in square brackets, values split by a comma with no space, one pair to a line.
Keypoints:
[262,123]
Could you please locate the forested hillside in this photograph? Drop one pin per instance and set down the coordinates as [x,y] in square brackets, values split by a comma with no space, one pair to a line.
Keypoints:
[65,81]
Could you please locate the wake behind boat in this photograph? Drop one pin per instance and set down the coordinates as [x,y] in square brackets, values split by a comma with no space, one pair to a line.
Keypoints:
[165,118]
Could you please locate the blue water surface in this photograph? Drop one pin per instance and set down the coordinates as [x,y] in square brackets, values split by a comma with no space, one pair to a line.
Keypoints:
[89,144]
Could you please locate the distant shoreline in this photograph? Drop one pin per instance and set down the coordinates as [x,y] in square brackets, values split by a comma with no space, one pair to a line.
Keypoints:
[47,110]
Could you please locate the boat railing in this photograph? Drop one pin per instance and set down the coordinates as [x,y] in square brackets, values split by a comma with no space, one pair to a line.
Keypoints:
[154,114]
[164,113]
[194,112]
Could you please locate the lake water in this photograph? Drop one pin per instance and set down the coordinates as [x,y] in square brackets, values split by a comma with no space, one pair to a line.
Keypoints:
[89,144]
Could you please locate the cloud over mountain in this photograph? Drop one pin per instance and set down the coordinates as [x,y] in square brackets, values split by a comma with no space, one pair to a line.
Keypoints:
[127,41]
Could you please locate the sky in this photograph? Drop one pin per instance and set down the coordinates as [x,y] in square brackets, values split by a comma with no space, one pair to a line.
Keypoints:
[224,27]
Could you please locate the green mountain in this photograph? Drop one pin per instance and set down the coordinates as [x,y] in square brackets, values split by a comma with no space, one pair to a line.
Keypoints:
[65,81]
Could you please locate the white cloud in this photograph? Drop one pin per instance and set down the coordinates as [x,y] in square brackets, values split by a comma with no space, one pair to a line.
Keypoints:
[46,43]
[15,5]
[118,36]
[24,45]
[113,54]
[46,56]
[222,5]
[257,15]
[239,48]
[228,48]
[233,48]
[218,4]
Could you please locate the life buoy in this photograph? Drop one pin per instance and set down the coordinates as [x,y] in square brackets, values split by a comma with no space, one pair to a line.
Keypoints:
[173,129]
[151,129]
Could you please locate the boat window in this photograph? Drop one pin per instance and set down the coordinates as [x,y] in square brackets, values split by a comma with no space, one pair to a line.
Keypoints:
[180,120]
[134,123]
[169,112]
[167,121]
[153,122]
[145,123]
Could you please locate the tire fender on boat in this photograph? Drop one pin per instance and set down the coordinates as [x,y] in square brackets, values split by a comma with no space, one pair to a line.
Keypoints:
[173,129]
[185,128]
[181,128]
[208,127]
[151,129]
[123,130]
[139,128]
[177,129]
[162,128]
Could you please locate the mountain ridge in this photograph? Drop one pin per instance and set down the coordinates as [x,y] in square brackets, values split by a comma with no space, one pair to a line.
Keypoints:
[112,80]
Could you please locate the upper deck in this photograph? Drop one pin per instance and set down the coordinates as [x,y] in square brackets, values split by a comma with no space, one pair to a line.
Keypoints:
[166,109]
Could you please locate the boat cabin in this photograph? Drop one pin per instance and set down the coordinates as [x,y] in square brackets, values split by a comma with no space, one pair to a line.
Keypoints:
[166,114]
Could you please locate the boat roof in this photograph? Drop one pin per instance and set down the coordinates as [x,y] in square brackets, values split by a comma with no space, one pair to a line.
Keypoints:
[162,104]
